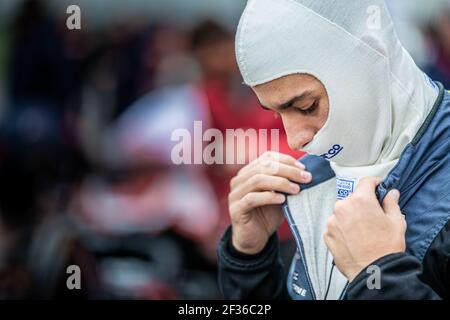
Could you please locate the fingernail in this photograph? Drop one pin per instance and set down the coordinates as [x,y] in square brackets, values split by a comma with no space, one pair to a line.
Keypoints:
[280,198]
[395,194]
[306,175]
[300,165]
[294,187]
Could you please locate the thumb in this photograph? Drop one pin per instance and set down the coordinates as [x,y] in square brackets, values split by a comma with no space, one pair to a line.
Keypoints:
[390,203]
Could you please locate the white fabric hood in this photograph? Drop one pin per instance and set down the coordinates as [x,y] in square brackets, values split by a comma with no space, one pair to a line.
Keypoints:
[378,96]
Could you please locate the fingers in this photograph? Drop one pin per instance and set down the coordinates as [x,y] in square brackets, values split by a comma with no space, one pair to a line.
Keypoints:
[270,161]
[390,203]
[289,172]
[366,187]
[257,199]
[261,182]
[264,181]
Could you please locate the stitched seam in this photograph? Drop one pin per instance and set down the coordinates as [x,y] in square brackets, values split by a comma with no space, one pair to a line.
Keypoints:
[427,243]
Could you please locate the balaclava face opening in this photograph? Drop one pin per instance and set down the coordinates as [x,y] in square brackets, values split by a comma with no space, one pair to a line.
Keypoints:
[378,98]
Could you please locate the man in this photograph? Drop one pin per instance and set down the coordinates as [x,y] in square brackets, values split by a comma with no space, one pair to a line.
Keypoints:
[352,97]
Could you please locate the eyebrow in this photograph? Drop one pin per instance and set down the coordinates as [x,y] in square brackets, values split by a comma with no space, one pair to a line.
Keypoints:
[290,102]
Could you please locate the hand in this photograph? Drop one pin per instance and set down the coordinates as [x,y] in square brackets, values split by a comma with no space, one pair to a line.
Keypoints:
[255,198]
[361,231]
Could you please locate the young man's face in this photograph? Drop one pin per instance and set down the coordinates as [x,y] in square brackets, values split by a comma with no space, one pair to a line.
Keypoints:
[302,102]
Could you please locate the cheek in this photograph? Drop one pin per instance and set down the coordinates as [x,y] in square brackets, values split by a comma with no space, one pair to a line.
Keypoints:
[322,117]
[296,123]
[299,129]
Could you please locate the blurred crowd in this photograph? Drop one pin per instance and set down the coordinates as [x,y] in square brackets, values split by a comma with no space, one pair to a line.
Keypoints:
[86,176]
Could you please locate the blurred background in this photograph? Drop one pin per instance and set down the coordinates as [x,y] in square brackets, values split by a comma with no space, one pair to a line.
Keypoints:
[86,117]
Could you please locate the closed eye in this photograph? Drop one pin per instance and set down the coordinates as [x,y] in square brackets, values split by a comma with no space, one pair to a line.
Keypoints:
[309,110]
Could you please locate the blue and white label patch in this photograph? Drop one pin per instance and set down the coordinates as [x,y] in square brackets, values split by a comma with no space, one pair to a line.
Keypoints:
[345,187]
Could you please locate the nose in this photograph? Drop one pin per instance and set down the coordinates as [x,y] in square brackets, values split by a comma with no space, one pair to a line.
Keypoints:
[299,140]
[299,132]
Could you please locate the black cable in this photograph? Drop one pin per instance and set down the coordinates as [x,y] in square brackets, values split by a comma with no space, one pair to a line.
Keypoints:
[329,280]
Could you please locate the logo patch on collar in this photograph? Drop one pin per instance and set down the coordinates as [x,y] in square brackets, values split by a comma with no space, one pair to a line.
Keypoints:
[333,152]
[345,187]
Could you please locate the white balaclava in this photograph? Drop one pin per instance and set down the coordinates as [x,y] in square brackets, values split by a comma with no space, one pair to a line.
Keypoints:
[378,97]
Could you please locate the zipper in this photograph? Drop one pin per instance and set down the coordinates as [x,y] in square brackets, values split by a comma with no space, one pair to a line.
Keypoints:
[299,243]
[301,251]
[344,291]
